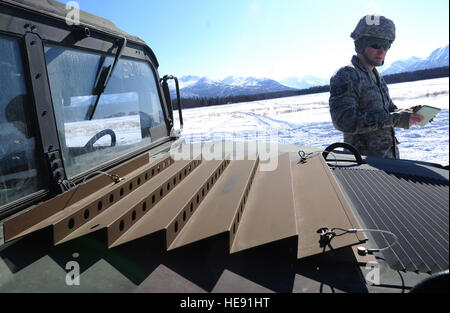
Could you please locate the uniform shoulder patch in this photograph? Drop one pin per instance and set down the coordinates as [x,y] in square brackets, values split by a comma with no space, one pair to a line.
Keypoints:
[341,82]
[338,90]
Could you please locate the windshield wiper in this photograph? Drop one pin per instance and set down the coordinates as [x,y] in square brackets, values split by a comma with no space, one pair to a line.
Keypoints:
[103,80]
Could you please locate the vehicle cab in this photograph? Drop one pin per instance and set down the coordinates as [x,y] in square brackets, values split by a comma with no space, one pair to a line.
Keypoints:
[75,99]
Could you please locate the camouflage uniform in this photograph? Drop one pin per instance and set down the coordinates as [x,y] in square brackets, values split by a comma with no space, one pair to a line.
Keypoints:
[360,105]
[362,109]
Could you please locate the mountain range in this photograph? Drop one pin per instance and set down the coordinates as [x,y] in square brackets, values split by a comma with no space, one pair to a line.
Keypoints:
[195,86]
[304,82]
[437,58]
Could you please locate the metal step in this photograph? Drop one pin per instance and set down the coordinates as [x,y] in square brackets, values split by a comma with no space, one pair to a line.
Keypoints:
[129,210]
[320,203]
[269,213]
[45,213]
[177,208]
[223,207]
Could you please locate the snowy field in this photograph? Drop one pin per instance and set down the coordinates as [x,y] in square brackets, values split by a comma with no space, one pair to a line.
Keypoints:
[126,128]
[305,120]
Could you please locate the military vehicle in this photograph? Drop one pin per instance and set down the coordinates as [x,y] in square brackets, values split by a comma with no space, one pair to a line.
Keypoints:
[100,193]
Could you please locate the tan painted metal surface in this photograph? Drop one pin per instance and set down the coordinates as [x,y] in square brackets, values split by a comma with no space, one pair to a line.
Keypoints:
[191,200]
[269,214]
[225,205]
[130,209]
[115,195]
[43,215]
[320,203]
[169,214]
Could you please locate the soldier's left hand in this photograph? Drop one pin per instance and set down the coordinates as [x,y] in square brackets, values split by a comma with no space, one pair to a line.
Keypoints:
[415,118]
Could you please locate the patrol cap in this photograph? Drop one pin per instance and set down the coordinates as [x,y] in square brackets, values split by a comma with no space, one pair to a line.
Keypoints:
[376,26]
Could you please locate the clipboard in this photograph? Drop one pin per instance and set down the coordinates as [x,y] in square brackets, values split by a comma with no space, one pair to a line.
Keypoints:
[428,112]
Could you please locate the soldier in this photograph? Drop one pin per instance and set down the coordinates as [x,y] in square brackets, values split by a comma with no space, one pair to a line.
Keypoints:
[360,104]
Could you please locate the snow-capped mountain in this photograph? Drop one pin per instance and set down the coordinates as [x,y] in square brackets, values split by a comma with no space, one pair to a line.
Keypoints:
[191,86]
[437,58]
[203,87]
[234,81]
[188,80]
[304,82]
[399,66]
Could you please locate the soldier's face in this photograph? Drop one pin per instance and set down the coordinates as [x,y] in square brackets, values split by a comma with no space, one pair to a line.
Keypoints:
[376,55]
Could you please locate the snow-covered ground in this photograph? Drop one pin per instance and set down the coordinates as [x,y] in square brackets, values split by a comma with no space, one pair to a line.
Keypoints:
[305,120]
[126,128]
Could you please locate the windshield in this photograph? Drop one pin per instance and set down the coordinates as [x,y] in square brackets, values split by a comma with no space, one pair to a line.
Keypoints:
[128,116]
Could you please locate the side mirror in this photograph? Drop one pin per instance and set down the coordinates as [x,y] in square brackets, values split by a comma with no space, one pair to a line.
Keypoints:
[165,86]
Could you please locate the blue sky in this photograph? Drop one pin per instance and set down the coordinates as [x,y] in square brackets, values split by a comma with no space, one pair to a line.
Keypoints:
[269,38]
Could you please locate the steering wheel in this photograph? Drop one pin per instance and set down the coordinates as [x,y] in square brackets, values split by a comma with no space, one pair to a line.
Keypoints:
[90,144]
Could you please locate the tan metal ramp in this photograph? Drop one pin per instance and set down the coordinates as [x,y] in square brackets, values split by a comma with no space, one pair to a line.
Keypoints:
[192,200]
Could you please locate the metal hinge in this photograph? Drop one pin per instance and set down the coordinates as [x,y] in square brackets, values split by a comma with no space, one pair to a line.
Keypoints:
[56,167]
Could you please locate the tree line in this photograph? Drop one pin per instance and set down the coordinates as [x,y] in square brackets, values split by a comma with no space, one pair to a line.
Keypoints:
[437,72]
[195,102]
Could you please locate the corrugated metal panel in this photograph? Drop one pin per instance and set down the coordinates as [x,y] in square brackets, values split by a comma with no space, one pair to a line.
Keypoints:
[414,208]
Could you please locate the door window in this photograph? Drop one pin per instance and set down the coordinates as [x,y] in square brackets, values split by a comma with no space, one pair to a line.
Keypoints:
[18,160]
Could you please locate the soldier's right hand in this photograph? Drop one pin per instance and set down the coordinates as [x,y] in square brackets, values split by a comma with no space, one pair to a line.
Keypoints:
[415,118]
